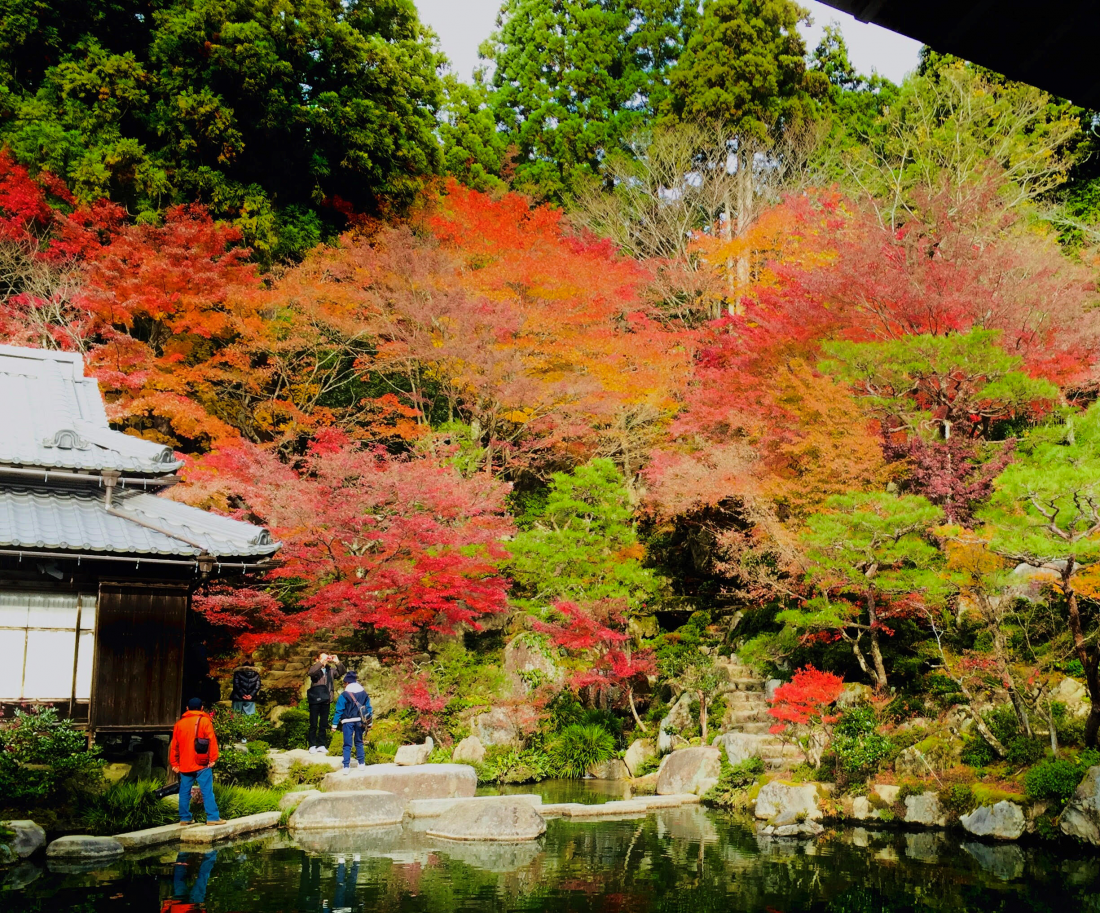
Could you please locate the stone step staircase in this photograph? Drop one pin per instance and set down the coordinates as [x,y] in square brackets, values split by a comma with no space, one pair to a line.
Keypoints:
[747,712]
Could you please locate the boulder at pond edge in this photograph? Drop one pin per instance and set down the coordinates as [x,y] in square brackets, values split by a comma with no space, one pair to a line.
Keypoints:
[1081,818]
[469,751]
[358,808]
[1003,821]
[777,798]
[689,770]
[26,837]
[492,821]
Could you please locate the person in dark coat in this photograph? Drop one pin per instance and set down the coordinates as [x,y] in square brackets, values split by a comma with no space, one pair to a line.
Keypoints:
[246,686]
[322,692]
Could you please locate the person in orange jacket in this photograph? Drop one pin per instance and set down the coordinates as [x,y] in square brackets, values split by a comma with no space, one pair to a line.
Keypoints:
[193,751]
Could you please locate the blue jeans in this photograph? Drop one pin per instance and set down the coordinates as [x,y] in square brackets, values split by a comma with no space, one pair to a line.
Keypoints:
[205,779]
[248,708]
[353,733]
[197,894]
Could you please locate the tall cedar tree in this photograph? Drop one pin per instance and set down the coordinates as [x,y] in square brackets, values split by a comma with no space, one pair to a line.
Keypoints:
[1045,512]
[744,65]
[574,78]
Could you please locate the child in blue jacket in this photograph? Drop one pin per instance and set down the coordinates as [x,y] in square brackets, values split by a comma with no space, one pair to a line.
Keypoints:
[353,714]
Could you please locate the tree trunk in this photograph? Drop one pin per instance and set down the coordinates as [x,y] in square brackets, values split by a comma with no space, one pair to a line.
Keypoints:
[1008,681]
[876,652]
[1088,656]
[744,210]
[634,710]
[703,717]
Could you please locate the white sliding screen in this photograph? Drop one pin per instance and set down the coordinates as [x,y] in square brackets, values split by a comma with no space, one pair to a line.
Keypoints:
[47,645]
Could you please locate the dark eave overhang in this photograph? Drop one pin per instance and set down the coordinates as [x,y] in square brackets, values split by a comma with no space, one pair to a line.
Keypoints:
[1052,45]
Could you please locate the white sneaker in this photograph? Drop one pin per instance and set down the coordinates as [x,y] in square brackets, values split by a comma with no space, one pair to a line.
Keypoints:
[312,749]
[322,750]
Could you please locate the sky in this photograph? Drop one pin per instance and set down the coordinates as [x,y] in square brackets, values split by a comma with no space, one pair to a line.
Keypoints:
[463,24]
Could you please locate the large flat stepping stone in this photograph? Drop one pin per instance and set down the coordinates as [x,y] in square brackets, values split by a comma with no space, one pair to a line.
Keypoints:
[211,833]
[80,847]
[151,836]
[501,822]
[609,809]
[347,809]
[433,808]
[421,781]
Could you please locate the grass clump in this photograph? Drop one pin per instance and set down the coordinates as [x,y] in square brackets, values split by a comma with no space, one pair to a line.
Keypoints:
[579,746]
[123,807]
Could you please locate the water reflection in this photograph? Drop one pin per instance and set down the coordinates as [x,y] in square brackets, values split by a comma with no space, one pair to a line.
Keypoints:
[193,899]
[685,859]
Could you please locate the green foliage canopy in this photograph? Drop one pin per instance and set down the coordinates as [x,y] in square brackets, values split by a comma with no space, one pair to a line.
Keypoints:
[250,106]
[582,544]
[872,549]
[744,65]
[574,77]
[960,378]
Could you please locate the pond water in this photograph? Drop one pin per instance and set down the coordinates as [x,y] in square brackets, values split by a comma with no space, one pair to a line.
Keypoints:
[687,859]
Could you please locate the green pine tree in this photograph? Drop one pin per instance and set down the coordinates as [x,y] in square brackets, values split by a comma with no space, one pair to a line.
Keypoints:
[581,545]
[1045,512]
[866,552]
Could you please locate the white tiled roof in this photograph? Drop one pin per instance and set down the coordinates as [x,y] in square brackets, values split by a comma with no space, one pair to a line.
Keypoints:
[52,416]
[78,521]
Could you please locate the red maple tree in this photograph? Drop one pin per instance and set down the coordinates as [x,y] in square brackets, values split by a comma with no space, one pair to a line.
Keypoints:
[612,670]
[403,544]
[801,707]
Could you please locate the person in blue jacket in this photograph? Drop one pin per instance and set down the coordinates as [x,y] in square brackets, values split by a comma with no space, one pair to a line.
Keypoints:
[353,714]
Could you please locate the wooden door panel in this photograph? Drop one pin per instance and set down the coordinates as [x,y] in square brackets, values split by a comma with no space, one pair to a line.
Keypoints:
[139,657]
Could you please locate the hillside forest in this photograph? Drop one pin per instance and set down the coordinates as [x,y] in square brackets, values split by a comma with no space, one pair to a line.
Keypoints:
[665,338]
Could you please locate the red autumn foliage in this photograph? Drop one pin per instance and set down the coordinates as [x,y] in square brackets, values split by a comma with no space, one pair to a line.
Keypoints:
[599,632]
[805,699]
[426,703]
[951,474]
[405,545]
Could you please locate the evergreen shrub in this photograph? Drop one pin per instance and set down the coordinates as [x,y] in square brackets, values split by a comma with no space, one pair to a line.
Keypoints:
[43,758]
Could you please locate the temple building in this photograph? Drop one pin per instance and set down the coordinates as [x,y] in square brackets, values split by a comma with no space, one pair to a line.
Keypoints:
[97,568]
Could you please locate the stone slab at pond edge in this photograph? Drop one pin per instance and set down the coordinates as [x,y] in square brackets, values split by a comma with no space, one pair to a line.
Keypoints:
[293,798]
[423,781]
[84,847]
[502,822]
[433,808]
[150,836]
[211,833]
[349,809]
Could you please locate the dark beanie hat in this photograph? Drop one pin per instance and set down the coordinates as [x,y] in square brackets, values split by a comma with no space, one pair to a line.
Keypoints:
[195,703]
[350,677]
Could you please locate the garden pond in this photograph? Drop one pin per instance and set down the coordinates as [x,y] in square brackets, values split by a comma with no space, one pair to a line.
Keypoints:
[684,859]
